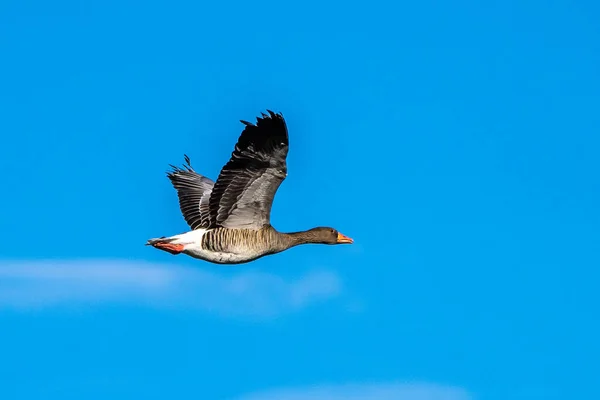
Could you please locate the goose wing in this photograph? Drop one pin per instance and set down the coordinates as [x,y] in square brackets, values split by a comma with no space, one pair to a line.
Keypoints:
[193,191]
[243,193]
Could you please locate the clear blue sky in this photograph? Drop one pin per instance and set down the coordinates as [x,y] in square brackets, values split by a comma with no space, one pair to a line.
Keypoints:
[457,142]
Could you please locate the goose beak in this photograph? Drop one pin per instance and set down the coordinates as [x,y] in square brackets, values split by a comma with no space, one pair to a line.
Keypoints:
[344,239]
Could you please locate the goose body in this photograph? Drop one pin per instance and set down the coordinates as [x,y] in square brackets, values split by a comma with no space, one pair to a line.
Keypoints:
[230,218]
[214,245]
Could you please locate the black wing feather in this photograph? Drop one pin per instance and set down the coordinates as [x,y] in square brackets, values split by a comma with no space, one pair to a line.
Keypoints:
[243,194]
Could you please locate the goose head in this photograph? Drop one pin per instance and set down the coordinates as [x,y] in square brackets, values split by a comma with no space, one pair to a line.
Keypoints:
[327,235]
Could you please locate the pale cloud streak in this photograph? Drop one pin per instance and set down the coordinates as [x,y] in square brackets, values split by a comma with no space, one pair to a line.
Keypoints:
[26,285]
[370,391]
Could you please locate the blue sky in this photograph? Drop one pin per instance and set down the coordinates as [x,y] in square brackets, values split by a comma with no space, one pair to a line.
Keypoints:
[456,142]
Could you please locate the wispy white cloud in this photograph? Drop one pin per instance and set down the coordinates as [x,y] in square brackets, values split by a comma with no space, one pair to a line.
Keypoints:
[55,283]
[372,391]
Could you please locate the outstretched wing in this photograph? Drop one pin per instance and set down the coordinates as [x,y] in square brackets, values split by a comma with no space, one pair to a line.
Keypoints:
[243,193]
[194,192]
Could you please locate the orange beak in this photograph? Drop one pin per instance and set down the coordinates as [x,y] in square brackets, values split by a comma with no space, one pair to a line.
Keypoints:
[344,239]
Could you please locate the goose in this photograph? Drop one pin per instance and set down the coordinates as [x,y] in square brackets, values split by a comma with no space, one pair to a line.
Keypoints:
[230,218]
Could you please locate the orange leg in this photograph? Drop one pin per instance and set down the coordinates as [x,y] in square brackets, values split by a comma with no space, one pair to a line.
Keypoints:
[169,247]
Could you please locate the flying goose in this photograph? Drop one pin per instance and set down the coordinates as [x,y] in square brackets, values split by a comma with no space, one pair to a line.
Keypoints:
[230,218]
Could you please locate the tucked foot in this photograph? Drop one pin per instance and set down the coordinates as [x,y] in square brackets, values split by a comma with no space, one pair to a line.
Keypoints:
[166,246]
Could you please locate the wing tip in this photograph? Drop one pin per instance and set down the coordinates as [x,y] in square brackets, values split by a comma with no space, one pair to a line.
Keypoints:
[274,115]
[271,115]
[187,167]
